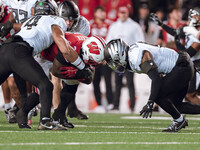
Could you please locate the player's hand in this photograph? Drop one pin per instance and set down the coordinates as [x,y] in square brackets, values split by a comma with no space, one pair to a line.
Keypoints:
[85,73]
[5,28]
[155,19]
[68,72]
[147,109]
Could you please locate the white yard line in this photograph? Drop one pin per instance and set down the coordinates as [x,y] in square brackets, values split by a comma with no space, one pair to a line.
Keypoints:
[102,143]
[157,118]
[90,132]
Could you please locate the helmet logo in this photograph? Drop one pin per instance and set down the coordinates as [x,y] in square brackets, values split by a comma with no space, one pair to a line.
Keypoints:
[93,48]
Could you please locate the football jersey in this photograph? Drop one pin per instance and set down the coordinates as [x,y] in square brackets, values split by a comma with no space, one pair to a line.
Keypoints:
[190,39]
[82,27]
[38,33]
[164,58]
[75,40]
[21,9]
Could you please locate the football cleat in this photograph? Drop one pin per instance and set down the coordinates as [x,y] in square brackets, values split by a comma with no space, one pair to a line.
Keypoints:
[21,118]
[62,120]
[10,115]
[32,113]
[176,126]
[77,114]
[50,125]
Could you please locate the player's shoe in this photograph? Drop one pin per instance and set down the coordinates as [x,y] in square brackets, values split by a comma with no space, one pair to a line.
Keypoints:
[21,118]
[176,126]
[62,120]
[32,113]
[10,115]
[77,114]
[50,125]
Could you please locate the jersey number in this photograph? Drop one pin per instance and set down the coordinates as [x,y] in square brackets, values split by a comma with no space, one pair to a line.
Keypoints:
[22,13]
[32,22]
[93,48]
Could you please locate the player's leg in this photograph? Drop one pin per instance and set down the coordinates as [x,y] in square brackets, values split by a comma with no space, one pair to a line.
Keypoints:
[57,82]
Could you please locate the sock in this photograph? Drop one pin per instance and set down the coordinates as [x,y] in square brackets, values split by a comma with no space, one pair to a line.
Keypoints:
[7,106]
[180,119]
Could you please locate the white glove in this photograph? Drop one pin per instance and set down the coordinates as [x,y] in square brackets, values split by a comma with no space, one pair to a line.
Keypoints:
[190,30]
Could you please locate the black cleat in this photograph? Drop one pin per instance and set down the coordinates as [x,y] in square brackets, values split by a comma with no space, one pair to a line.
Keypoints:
[62,120]
[66,123]
[50,125]
[176,126]
[24,126]
[22,120]
[77,114]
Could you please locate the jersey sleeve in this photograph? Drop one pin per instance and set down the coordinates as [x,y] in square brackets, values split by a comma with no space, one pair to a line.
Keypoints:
[83,26]
[61,22]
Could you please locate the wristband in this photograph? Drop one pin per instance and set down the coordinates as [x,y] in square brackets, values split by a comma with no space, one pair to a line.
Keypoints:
[79,63]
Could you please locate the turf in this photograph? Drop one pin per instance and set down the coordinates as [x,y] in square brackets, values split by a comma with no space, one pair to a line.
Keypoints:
[103,131]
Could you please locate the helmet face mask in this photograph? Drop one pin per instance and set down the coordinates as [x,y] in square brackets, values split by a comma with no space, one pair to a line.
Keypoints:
[93,50]
[115,55]
[194,17]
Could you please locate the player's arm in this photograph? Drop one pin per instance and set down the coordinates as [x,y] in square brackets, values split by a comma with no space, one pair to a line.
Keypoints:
[10,24]
[68,52]
[150,68]
[191,30]
[193,49]
[69,72]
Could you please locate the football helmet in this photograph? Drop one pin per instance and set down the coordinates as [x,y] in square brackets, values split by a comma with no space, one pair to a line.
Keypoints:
[194,17]
[93,50]
[2,11]
[46,7]
[68,10]
[115,54]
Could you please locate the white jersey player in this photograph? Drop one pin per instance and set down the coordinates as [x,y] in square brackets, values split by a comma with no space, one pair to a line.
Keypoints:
[21,9]
[39,28]
[167,90]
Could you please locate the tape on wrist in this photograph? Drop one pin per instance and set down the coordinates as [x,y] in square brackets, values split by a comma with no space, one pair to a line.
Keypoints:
[79,63]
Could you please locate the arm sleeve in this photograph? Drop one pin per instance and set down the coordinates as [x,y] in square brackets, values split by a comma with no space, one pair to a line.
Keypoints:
[169,30]
[155,83]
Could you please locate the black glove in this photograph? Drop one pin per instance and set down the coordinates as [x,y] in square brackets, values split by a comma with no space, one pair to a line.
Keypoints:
[5,28]
[147,109]
[84,75]
[155,18]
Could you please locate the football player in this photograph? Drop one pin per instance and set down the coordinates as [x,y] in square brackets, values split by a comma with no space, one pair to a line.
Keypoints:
[14,11]
[192,47]
[169,71]
[37,34]
[91,51]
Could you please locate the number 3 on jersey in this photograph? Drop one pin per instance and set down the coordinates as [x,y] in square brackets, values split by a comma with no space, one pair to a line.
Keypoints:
[93,48]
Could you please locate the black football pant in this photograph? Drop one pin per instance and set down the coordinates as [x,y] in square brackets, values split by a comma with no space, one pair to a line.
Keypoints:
[16,57]
[175,86]
[67,96]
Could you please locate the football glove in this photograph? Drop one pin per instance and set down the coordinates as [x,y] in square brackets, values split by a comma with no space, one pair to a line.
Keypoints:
[84,75]
[155,19]
[147,109]
[5,28]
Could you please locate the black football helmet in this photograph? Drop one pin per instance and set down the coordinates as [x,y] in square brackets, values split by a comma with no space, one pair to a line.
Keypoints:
[46,7]
[68,10]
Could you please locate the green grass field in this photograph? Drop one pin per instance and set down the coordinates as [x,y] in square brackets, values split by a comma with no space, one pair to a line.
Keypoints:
[102,132]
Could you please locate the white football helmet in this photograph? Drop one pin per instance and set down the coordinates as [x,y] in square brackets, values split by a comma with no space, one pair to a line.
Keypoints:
[115,54]
[93,50]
